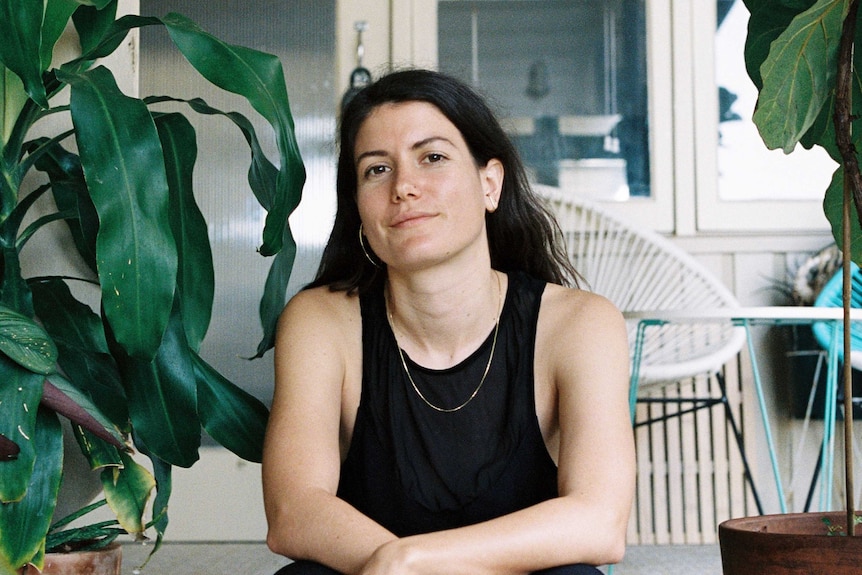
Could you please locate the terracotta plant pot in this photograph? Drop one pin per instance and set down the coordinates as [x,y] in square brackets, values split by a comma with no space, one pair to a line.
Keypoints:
[789,544]
[106,561]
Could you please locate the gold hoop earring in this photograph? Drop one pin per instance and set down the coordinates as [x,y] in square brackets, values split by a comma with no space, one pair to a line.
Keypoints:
[364,250]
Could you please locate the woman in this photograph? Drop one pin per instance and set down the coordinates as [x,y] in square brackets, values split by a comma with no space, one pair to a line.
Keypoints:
[443,404]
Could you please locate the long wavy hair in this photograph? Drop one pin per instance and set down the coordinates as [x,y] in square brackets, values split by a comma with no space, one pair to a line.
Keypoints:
[522,233]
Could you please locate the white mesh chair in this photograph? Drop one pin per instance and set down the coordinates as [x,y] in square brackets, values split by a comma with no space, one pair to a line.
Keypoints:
[639,270]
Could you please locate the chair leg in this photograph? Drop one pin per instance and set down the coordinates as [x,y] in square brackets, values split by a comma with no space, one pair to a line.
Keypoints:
[703,403]
[697,405]
[740,443]
[814,477]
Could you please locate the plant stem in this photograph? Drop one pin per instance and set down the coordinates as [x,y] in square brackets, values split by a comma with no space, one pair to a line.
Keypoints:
[848,367]
[843,116]
[843,120]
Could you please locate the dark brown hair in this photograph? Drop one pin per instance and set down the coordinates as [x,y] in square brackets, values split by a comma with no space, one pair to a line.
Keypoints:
[522,233]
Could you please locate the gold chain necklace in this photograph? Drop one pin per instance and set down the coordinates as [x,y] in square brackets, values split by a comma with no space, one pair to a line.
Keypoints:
[487,366]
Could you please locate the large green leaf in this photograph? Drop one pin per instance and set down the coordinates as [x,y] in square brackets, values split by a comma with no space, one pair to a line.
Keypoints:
[20,44]
[769,18]
[124,168]
[84,412]
[833,207]
[163,473]
[234,418]
[262,177]
[259,78]
[23,524]
[80,340]
[99,453]
[262,173]
[262,83]
[822,132]
[127,490]
[195,274]
[799,73]
[26,342]
[274,295]
[163,398]
[107,39]
[14,293]
[12,99]
[57,13]
[20,392]
[71,195]
[93,22]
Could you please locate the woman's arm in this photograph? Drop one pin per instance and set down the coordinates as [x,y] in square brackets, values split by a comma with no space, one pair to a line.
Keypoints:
[582,354]
[317,356]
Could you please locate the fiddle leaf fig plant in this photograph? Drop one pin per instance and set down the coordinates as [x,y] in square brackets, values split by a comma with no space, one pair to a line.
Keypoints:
[117,174]
[802,56]
[792,55]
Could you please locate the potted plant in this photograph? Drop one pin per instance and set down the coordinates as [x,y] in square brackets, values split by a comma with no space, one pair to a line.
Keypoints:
[800,56]
[114,346]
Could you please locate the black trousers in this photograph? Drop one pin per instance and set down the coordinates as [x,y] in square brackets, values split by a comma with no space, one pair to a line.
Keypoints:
[309,568]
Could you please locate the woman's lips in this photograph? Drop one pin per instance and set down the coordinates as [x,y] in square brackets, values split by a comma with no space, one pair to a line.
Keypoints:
[408,218]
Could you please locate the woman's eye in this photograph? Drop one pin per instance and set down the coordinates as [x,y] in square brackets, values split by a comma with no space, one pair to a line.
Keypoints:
[434,157]
[376,170]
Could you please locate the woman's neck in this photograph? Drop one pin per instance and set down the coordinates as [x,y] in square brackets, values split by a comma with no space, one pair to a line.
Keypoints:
[441,320]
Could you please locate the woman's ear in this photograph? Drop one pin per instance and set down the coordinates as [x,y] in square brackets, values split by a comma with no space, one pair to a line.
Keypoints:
[492,182]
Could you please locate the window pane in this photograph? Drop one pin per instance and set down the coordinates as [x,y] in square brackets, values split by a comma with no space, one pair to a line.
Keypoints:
[568,77]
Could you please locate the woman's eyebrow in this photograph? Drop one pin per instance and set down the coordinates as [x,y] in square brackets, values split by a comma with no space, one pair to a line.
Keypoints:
[370,153]
[430,140]
[418,145]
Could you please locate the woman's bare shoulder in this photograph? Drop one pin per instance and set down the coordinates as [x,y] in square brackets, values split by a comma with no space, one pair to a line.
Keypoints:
[566,304]
[321,304]
[318,330]
[319,317]
[575,322]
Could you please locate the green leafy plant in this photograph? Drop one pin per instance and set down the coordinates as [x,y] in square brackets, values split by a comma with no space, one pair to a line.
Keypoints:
[802,56]
[118,174]
[792,55]
[834,530]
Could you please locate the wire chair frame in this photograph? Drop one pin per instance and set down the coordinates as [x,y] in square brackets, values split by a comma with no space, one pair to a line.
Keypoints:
[640,270]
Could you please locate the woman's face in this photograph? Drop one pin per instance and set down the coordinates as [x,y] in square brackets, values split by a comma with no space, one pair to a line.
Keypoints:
[421,196]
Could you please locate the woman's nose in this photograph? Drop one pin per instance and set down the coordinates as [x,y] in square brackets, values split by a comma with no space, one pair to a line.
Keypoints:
[405,185]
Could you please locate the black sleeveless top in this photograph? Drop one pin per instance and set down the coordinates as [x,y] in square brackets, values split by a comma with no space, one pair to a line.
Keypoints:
[414,469]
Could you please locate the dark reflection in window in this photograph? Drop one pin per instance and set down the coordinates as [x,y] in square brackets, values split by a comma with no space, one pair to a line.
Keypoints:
[570,78]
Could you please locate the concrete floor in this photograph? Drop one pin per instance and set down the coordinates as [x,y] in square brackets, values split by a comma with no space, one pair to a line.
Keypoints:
[256,559]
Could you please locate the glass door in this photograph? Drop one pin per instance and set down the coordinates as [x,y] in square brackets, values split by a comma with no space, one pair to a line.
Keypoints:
[575,82]
[569,79]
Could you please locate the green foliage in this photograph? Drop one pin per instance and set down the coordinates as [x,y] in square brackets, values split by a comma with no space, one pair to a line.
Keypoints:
[834,530]
[25,521]
[791,55]
[94,536]
[129,376]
